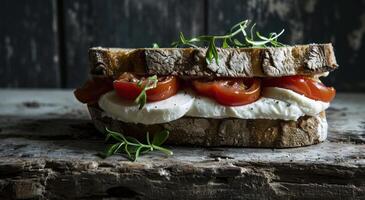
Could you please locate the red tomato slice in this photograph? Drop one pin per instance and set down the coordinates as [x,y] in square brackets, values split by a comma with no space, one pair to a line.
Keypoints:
[233,92]
[205,88]
[126,87]
[91,91]
[303,85]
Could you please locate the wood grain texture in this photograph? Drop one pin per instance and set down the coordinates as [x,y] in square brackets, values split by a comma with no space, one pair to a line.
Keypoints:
[123,24]
[48,150]
[339,22]
[29,44]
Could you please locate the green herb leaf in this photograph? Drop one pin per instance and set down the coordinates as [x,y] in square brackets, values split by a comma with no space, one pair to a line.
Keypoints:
[132,139]
[241,23]
[112,149]
[225,44]
[151,82]
[166,151]
[160,137]
[252,30]
[209,55]
[215,52]
[182,38]
[141,99]
[117,136]
[256,43]
[155,45]
[212,52]
[134,148]
[238,43]
[126,149]
[229,40]
[136,155]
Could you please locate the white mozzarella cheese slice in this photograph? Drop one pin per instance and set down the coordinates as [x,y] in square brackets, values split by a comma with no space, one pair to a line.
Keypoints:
[264,108]
[308,106]
[207,107]
[152,113]
[276,103]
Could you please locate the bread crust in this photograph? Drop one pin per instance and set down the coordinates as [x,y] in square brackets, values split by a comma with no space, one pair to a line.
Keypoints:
[190,63]
[307,130]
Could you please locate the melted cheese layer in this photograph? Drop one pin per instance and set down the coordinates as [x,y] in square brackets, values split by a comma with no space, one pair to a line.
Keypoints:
[276,103]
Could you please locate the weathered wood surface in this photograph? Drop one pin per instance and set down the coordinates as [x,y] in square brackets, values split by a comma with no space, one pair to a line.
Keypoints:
[48,150]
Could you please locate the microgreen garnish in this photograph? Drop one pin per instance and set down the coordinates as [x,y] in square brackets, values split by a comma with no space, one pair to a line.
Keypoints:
[230,40]
[151,82]
[134,148]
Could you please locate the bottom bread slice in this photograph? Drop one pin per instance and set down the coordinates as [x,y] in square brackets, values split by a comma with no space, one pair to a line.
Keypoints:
[307,130]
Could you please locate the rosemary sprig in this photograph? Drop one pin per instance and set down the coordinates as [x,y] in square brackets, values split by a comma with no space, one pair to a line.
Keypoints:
[151,82]
[230,40]
[134,148]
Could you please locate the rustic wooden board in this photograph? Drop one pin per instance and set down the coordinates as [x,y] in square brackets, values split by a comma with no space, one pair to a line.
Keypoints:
[316,21]
[29,44]
[123,24]
[48,150]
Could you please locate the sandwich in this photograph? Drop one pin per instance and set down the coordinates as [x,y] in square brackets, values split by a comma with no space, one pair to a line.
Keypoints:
[249,92]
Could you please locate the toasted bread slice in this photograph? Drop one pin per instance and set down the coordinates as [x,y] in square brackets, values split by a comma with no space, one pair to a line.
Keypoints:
[307,130]
[190,63]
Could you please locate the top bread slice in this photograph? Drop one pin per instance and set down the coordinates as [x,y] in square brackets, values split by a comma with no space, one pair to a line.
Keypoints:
[312,59]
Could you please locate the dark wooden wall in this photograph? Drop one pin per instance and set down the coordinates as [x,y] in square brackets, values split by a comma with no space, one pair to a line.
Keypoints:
[44,43]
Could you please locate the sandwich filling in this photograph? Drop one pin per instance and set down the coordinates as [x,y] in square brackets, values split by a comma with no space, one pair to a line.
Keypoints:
[288,106]
[152,100]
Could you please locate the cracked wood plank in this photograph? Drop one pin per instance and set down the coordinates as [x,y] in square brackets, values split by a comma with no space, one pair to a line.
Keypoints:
[48,151]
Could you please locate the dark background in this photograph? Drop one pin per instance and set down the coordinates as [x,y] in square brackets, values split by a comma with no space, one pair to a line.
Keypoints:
[44,43]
